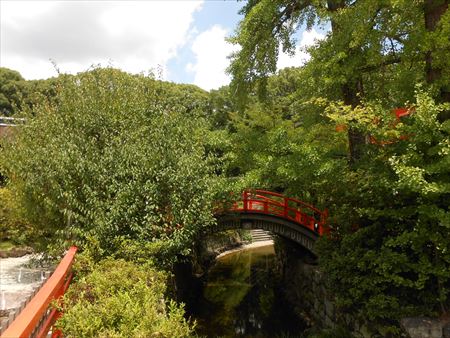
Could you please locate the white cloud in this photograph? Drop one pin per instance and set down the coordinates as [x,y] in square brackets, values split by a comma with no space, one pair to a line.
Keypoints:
[211,51]
[132,35]
[301,56]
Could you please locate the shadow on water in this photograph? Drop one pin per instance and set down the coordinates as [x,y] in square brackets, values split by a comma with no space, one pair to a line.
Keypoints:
[241,298]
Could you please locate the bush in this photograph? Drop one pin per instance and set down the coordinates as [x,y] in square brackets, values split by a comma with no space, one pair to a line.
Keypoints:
[117,298]
[12,225]
[109,158]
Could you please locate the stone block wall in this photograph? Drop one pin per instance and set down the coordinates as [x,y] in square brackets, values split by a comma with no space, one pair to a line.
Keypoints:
[303,283]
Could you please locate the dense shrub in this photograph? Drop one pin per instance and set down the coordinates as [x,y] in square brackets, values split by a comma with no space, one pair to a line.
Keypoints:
[111,158]
[12,226]
[117,298]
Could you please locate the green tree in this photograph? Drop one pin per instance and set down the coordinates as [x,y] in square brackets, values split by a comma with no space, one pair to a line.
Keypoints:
[12,89]
[372,44]
[389,259]
[390,208]
[109,160]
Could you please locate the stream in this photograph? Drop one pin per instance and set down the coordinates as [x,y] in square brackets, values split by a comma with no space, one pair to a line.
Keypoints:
[18,281]
[241,298]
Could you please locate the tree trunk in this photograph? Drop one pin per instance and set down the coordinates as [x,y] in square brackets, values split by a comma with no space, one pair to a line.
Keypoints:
[433,11]
[350,94]
[356,139]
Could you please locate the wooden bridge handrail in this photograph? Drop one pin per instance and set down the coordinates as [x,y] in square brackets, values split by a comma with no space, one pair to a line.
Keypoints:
[29,318]
[270,193]
[261,201]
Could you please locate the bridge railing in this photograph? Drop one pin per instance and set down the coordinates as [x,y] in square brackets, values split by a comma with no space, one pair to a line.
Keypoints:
[271,203]
[37,318]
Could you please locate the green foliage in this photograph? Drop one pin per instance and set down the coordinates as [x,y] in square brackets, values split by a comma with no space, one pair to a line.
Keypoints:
[110,158]
[396,263]
[388,254]
[289,145]
[221,104]
[338,332]
[12,225]
[116,298]
[17,94]
[267,25]
[12,86]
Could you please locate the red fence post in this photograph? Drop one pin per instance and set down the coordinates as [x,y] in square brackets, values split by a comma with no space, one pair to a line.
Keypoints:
[323,221]
[286,207]
[244,199]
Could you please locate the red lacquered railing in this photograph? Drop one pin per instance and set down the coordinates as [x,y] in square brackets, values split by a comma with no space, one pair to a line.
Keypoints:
[36,319]
[271,203]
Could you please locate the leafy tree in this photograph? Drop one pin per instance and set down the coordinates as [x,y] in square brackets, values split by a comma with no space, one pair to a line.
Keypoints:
[381,44]
[221,105]
[394,262]
[12,88]
[12,225]
[390,207]
[109,160]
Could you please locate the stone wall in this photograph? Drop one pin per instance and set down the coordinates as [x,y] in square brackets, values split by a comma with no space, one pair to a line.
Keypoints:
[303,282]
[424,327]
[213,244]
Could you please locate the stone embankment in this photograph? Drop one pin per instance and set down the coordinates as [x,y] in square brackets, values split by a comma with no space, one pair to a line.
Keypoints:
[304,284]
[16,252]
[248,246]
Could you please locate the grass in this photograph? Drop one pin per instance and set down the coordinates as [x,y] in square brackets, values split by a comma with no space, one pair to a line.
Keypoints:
[7,245]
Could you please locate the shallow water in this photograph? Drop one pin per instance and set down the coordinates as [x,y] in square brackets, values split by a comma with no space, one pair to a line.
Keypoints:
[241,298]
[18,280]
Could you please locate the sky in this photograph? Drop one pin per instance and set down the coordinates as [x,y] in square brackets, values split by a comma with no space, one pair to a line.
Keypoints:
[181,41]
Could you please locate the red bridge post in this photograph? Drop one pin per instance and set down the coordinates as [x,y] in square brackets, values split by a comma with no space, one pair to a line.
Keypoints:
[286,207]
[245,200]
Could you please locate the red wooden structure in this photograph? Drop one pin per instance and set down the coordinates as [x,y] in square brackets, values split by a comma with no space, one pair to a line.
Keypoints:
[274,204]
[399,114]
[37,318]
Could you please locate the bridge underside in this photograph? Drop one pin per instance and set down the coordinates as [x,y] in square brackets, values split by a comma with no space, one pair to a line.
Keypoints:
[276,225]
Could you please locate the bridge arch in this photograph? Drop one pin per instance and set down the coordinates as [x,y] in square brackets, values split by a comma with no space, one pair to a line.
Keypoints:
[284,216]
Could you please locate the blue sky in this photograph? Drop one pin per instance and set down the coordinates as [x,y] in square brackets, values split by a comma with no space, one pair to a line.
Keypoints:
[222,13]
[184,39]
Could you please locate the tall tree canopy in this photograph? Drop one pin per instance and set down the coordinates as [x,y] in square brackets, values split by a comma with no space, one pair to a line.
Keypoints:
[12,87]
[388,256]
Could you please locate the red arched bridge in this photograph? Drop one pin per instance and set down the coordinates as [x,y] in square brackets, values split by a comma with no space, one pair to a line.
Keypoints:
[284,216]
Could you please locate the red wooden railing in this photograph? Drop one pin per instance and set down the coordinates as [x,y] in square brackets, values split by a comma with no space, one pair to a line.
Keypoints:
[271,203]
[38,316]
